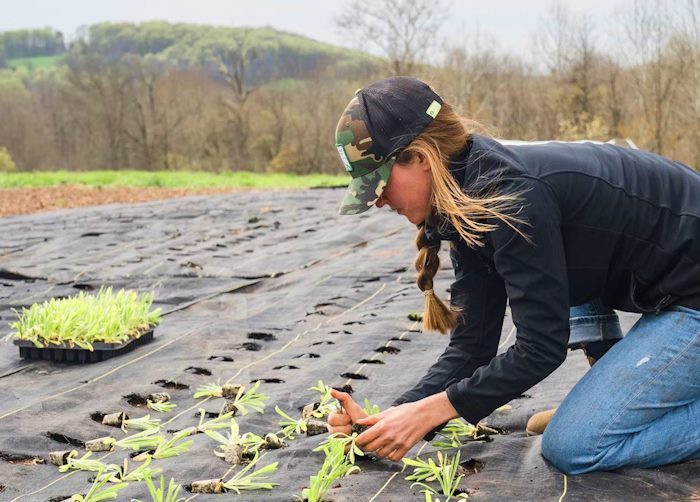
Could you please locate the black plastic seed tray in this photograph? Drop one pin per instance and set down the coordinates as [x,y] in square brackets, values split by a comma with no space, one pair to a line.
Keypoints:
[66,354]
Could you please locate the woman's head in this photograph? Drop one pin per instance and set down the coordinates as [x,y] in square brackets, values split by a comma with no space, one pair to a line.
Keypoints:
[396,138]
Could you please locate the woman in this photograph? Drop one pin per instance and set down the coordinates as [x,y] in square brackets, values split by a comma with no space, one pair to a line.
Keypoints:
[565,232]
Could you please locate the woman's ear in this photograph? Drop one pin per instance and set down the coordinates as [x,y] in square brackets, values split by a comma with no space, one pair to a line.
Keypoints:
[422,162]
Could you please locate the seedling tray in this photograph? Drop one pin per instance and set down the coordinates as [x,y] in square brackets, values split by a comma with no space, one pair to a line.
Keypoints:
[67,354]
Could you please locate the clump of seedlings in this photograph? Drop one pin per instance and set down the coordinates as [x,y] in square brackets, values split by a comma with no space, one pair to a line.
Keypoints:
[289,425]
[321,408]
[415,316]
[457,432]
[85,319]
[245,479]
[335,466]
[236,447]
[122,474]
[60,458]
[444,472]
[142,423]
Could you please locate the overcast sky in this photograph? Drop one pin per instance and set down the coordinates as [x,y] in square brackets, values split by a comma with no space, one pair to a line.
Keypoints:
[510,22]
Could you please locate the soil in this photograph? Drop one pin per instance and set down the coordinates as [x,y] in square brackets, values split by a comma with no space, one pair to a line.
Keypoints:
[14,201]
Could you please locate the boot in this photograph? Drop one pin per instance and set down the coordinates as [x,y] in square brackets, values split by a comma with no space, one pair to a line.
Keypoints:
[539,421]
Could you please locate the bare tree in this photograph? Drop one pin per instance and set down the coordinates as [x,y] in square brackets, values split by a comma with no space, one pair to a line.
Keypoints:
[403,30]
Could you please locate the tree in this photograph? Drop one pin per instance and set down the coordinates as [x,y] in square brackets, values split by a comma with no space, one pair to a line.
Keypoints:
[403,30]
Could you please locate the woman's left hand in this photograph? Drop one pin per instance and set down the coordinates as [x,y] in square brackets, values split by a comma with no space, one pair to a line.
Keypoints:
[395,431]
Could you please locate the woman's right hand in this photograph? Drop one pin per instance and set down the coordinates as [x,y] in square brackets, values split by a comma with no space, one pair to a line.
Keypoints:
[342,420]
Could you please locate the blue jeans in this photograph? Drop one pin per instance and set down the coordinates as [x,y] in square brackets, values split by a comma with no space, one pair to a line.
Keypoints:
[639,406]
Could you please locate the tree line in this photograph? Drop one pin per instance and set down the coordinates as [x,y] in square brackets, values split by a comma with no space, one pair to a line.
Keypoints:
[177,96]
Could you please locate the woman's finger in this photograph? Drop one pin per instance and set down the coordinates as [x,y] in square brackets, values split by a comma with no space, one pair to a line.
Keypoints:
[339,419]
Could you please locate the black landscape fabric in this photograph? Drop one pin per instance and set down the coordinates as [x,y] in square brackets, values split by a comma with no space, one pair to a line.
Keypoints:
[272,286]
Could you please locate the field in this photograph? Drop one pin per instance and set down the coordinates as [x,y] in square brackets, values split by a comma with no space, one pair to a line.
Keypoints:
[258,286]
[36,63]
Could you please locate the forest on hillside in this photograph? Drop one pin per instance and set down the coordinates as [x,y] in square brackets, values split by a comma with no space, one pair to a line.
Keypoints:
[159,95]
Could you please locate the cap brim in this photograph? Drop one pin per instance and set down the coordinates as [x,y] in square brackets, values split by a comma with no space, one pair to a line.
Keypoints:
[364,191]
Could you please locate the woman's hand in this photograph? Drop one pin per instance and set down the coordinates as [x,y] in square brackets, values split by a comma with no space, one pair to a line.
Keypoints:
[395,431]
[350,412]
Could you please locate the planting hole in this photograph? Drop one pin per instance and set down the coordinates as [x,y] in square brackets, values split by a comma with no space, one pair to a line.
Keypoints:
[97,416]
[170,384]
[350,323]
[62,438]
[472,466]
[198,371]
[344,332]
[397,339]
[227,359]
[310,355]
[92,234]
[268,380]
[134,400]
[58,499]
[387,350]
[257,335]
[250,346]
[371,361]
[16,458]
[286,367]
[321,343]
[84,287]
[354,376]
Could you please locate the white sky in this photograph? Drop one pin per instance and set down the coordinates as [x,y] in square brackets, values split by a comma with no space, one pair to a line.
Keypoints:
[510,22]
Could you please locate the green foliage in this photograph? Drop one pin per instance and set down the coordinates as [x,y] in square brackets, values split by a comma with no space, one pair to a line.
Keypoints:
[289,425]
[250,399]
[159,494]
[245,480]
[335,466]
[163,406]
[7,165]
[444,472]
[370,409]
[326,404]
[170,179]
[98,492]
[85,319]
[36,62]
[174,446]
[348,443]
[85,463]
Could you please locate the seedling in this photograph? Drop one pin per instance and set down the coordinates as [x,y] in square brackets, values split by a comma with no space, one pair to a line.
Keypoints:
[251,399]
[216,390]
[85,463]
[289,425]
[231,447]
[174,446]
[84,319]
[98,492]
[348,443]
[158,494]
[444,472]
[163,406]
[335,466]
[323,407]
[138,474]
[245,480]
[60,458]
[143,423]
[457,432]
[220,422]
[144,440]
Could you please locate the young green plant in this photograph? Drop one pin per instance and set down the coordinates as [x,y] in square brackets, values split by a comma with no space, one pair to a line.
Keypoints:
[289,425]
[335,466]
[348,443]
[98,492]
[444,472]
[247,479]
[159,493]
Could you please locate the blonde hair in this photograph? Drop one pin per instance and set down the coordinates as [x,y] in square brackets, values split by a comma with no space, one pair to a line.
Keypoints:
[442,139]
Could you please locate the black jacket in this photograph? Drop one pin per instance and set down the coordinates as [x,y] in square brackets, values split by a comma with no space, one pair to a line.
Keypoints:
[604,222]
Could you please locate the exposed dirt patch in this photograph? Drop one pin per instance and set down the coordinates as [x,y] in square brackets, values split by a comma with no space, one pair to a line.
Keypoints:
[15,201]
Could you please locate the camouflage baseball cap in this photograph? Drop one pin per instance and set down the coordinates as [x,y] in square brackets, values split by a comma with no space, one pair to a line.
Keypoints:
[378,123]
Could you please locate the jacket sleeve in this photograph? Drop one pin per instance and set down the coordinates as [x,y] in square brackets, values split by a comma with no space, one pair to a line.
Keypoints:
[479,294]
[536,284]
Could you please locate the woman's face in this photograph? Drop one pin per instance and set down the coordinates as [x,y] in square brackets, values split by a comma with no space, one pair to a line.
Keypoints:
[408,190]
